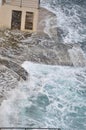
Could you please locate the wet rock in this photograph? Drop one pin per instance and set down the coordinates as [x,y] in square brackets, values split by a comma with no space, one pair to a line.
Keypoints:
[15,67]
[47,23]
[77,56]
[48,52]
[38,47]
[8,81]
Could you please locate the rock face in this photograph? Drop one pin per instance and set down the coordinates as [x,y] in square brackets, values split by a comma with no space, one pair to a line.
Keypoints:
[42,49]
[47,23]
[77,56]
[8,81]
[19,47]
[15,67]
[10,74]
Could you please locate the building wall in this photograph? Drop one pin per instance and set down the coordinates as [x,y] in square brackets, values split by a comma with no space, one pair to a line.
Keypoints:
[0,3]
[6,16]
[24,3]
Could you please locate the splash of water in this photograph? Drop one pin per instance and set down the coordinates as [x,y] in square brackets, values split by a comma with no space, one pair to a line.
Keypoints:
[77,56]
[54,96]
[71,19]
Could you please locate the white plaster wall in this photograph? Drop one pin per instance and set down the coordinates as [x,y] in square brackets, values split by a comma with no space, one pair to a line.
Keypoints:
[6,16]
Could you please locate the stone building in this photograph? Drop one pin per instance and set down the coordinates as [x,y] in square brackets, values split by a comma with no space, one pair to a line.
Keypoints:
[19,14]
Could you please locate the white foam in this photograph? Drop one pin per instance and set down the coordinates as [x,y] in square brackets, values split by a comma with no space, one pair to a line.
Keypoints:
[69,21]
[59,84]
[77,56]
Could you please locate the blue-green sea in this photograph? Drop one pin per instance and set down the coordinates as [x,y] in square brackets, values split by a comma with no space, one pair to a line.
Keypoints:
[53,96]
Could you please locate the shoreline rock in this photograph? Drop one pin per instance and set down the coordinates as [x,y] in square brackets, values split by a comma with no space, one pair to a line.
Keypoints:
[8,81]
[15,67]
[39,48]
[17,47]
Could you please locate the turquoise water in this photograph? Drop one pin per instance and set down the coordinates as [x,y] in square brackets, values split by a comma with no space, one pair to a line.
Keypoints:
[71,19]
[53,96]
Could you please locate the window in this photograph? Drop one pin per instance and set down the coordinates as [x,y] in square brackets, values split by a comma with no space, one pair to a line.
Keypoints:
[29,21]
[16,19]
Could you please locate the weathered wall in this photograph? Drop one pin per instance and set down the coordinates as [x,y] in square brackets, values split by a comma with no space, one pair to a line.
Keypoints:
[0,3]
[26,3]
[6,16]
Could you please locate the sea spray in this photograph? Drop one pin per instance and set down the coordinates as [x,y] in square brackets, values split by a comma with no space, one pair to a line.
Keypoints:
[52,97]
[71,19]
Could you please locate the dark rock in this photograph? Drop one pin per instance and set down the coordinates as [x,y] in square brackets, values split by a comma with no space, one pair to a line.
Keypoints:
[15,67]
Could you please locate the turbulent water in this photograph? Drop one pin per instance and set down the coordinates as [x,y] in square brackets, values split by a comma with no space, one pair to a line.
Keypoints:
[53,96]
[71,18]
